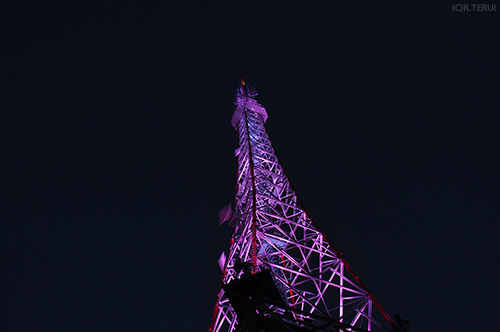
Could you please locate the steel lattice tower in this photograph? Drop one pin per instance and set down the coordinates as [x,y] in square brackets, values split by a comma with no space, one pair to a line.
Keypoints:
[281,272]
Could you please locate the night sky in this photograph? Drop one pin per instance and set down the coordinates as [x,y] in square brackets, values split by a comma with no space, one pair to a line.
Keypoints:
[118,152]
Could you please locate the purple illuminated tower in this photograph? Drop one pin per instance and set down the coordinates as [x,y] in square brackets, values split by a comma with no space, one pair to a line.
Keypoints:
[281,273]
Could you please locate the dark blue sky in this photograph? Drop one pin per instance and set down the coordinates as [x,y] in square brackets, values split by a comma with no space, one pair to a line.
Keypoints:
[118,153]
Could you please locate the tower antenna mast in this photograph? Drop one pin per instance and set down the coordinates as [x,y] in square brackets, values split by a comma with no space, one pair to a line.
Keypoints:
[281,273]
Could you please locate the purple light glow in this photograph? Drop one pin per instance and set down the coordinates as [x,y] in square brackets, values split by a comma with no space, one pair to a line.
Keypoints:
[273,232]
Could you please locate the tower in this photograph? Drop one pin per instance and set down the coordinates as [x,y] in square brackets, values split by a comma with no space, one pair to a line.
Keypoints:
[281,273]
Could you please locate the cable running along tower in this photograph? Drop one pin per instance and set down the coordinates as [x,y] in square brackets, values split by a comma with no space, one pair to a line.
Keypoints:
[281,273]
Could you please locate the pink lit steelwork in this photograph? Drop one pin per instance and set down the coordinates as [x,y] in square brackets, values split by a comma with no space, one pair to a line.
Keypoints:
[272,232]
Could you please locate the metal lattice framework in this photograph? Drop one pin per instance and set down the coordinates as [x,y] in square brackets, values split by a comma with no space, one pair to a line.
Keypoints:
[271,231]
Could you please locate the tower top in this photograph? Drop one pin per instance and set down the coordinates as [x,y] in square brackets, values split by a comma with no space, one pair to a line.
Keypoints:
[245,100]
